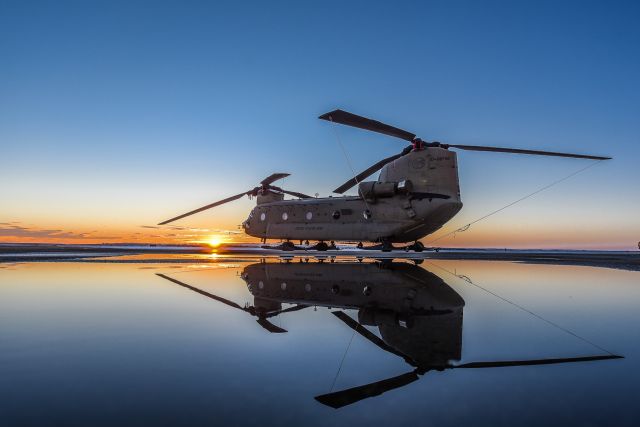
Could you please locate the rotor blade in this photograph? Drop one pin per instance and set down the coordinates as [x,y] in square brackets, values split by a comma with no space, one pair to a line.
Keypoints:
[273,178]
[201,292]
[204,208]
[519,151]
[352,395]
[366,173]
[287,310]
[291,193]
[365,333]
[350,119]
[270,326]
[534,362]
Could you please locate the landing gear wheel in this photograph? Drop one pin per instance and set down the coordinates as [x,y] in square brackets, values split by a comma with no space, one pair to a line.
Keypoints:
[321,246]
[360,245]
[288,246]
[386,246]
[418,246]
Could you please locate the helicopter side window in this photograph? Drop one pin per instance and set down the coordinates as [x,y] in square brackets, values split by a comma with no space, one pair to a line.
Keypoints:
[309,216]
[336,215]
[263,216]
[285,216]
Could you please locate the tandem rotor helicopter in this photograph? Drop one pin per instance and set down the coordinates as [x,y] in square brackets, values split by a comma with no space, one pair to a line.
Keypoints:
[416,193]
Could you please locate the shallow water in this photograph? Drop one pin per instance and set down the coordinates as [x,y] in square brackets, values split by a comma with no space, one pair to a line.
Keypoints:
[238,342]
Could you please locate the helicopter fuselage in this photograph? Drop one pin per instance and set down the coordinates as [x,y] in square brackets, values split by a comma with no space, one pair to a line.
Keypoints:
[414,196]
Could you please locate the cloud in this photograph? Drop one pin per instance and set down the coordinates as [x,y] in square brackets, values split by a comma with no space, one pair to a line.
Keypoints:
[20,231]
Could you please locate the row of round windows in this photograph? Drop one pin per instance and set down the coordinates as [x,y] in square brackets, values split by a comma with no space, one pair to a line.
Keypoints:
[309,215]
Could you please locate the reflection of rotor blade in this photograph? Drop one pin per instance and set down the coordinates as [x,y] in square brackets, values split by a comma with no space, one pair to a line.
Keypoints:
[291,193]
[534,362]
[364,332]
[287,310]
[352,395]
[201,292]
[350,119]
[519,151]
[273,178]
[270,326]
[204,208]
[366,173]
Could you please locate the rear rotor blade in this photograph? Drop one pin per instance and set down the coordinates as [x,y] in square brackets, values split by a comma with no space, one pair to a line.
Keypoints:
[204,208]
[366,173]
[352,395]
[273,178]
[350,119]
[519,151]
[535,362]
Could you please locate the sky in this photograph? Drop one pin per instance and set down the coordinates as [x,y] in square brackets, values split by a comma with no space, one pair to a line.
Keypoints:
[117,115]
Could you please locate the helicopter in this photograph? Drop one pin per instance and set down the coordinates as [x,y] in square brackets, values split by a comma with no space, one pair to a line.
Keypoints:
[416,193]
[419,317]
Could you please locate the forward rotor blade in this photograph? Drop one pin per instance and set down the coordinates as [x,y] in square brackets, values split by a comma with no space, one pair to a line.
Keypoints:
[273,178]
[366,173]
[352,395]
[204,208]
[365,333]
[270,326]
[519,151]
[534,362]
[287,310]
[201,292]
[291,193]
[350,119]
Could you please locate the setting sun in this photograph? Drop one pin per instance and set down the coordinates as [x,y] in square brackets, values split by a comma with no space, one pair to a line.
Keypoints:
[214,241]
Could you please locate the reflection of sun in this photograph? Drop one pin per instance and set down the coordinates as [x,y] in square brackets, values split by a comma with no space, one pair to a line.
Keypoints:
[214,241]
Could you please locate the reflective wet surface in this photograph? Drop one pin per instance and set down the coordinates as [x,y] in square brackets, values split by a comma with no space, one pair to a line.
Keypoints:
[248,342]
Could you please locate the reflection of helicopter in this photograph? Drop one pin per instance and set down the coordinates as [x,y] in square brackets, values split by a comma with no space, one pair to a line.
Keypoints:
[419,317]
[416,193]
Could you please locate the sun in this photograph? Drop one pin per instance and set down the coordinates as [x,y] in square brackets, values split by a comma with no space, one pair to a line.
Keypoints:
[214,241]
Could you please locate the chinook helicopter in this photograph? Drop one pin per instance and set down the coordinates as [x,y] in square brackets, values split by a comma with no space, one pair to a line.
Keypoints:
[416,193]
[418,315]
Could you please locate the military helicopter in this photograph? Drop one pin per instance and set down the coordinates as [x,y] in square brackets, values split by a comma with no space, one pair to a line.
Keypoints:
[416,193]
[418,315]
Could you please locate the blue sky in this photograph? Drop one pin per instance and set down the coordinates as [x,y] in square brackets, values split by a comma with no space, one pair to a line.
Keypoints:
[117,114]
